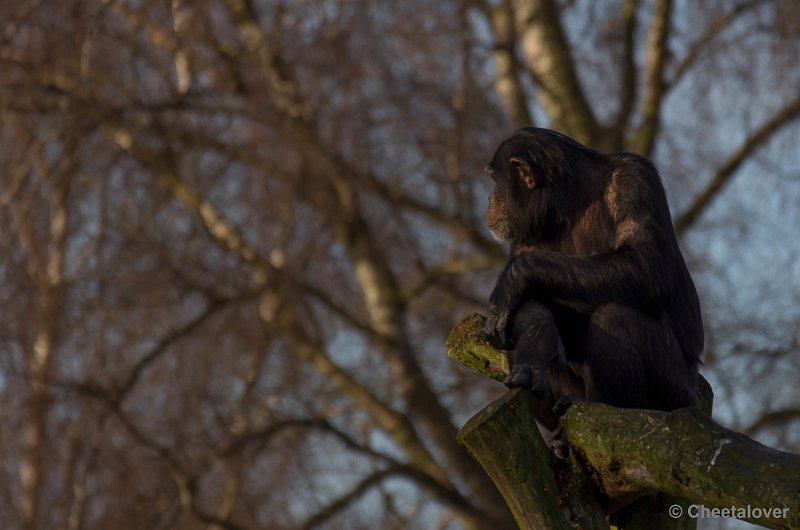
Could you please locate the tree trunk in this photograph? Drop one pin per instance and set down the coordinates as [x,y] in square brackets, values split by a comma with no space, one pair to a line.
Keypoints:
[619,454]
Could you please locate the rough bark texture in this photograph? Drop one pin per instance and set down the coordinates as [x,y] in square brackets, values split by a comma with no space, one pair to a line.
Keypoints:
[626,452]
[547,56]
[541,491]
[685,454]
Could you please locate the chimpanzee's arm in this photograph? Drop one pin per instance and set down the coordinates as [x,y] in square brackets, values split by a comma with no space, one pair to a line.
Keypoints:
[638,272]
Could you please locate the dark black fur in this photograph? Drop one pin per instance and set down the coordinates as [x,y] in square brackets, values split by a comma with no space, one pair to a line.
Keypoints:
[595,277]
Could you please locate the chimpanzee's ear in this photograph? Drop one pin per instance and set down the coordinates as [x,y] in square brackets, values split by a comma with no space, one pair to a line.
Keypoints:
[524,171]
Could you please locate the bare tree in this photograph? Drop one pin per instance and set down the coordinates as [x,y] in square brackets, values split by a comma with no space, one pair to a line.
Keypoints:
[235,234]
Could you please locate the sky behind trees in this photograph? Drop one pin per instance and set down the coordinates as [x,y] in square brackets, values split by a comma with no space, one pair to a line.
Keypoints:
[235,234]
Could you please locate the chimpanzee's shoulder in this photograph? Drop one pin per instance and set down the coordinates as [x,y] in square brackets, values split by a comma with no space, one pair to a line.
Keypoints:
[630,168]
[632,162]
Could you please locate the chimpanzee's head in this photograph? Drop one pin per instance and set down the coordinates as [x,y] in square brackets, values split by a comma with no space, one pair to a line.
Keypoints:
[539,176]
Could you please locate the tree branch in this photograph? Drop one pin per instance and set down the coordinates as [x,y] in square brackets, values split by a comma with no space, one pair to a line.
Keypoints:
[550,60]
[682,453]
[685,454]
[507,82]
[761,135]
[702,44]
[773,418]
[397,470]
[505,440]
[164,344]
[628,93]
[283,89]
[655,60]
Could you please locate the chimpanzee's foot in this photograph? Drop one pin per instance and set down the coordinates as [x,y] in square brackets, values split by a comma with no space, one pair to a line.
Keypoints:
[563,403]
[560,448]
[556,442]
[519,377]
[526,376]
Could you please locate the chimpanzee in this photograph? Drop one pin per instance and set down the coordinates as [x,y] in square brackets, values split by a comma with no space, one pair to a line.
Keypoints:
[595,300]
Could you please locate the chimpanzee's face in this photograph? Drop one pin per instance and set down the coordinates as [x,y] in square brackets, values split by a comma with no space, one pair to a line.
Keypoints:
[496,212]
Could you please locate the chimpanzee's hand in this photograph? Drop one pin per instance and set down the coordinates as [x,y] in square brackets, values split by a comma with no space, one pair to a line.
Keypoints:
[502,304]
[496,329]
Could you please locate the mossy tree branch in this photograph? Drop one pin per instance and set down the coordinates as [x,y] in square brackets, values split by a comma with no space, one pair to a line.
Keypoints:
[626,452]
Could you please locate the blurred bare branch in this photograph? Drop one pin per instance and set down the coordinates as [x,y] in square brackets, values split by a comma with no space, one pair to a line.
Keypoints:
[235,234]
